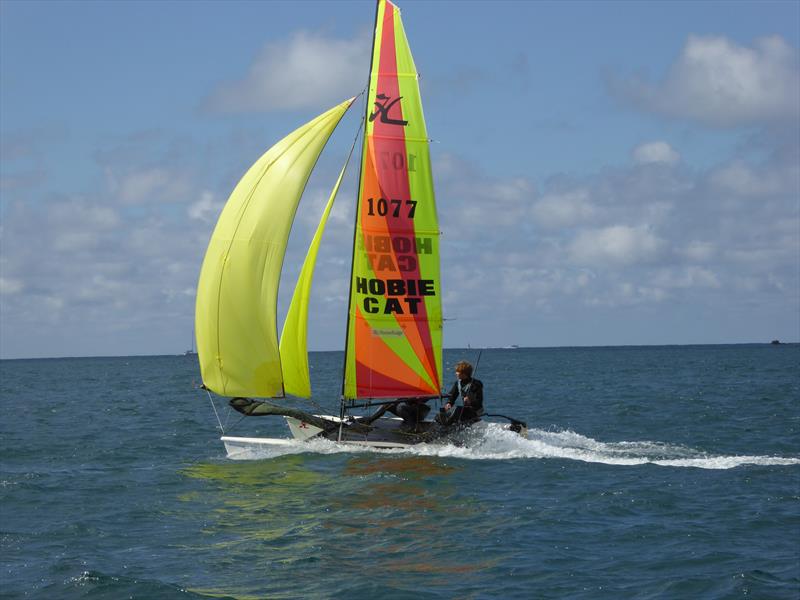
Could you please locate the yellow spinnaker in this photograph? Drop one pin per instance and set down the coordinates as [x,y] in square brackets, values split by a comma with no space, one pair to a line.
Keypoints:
[236,309]
[294,337]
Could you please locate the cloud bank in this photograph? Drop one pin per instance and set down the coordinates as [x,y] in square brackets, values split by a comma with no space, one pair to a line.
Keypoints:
[695,254]
[718,82]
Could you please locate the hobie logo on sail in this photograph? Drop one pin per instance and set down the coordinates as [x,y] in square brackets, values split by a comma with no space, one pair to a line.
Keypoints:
[382,109]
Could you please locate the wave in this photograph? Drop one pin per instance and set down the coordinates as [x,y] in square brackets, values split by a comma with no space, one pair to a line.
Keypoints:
[491,441]
[94,584]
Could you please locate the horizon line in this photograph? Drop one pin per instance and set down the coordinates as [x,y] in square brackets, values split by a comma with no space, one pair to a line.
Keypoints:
[468,348]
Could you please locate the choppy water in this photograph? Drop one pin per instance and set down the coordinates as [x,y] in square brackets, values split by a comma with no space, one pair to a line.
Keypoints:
[656,472]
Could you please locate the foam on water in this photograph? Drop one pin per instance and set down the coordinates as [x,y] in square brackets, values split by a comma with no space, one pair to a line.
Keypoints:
[491,441]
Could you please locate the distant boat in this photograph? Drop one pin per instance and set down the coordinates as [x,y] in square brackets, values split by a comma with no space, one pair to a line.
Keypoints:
[191,351]
[393,343]
[775,342]
[511,347]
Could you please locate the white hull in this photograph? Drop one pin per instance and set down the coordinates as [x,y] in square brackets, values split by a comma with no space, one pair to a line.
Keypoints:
[240,447]
[382,437]
[386,434]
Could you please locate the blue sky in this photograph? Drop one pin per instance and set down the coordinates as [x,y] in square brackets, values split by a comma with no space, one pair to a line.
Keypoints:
[606,172]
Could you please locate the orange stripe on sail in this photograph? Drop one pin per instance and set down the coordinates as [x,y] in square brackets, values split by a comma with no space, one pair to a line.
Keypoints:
[377,356]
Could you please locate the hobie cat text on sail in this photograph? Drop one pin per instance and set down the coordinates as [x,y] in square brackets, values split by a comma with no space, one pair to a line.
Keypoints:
[394,296]
[395,253]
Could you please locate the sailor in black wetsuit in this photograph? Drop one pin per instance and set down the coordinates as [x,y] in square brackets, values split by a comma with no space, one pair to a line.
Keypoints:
[471,390]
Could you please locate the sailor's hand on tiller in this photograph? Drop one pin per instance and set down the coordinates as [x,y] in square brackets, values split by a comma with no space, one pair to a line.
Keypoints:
[466,401]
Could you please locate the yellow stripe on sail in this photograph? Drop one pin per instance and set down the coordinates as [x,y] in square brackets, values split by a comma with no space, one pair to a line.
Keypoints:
[235,313]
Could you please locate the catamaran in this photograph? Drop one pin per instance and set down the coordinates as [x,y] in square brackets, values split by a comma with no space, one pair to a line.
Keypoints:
[393,341]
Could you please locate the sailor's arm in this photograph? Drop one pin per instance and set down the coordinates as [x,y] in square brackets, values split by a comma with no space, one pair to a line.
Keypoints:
[452,396]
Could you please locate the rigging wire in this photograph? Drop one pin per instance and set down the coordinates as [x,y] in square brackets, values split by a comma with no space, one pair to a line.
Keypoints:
[210,399]
[228,416]
[235,424]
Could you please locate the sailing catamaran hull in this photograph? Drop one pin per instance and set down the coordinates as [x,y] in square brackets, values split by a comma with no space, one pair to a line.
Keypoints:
[244,447]
[384,434]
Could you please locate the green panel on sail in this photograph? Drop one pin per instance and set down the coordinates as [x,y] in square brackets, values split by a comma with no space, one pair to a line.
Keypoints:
[394,338]
[235,313]
[294,337]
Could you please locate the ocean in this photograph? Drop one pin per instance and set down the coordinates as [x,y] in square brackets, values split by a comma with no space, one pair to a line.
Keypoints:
[648,472]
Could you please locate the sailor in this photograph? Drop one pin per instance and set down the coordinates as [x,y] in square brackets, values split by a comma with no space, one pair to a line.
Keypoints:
[471,390]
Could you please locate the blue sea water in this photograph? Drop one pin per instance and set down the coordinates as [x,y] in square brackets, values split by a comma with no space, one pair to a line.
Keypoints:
[648,472]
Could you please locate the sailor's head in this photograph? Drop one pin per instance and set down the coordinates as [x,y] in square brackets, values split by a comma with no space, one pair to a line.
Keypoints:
[463,370]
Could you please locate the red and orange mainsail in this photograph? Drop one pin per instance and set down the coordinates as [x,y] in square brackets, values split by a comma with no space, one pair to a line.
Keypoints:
[394,337]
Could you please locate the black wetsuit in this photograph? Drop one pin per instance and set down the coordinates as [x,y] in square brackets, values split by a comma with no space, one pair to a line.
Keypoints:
[466,387]
[412,410]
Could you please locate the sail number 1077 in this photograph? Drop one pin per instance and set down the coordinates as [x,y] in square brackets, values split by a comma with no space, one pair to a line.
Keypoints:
[383,207]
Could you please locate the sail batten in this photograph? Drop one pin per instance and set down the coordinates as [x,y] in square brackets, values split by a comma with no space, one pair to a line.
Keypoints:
[236,309]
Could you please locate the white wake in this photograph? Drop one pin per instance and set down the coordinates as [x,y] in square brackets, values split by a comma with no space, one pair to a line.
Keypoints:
[491,441]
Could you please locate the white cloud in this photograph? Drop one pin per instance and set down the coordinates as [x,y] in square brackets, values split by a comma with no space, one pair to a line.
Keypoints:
[99,288]
[84,213]
[753,284]
[206,209]
[148,185]
[655,152]
[687,277]
[742,179]
[10,286]
[625,294]
[483,202]
[719,82]
[621,238]
[556,210]
[699,251]
[78,224]
[497,203]
[306,71]
[531,283]
[74,241]
[615,245]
